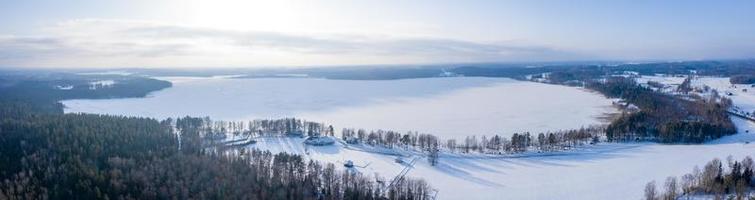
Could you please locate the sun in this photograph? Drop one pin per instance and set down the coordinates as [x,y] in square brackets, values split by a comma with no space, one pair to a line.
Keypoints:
[282,15]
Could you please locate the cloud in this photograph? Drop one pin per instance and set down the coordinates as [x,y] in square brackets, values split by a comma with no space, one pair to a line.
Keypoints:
[95,42]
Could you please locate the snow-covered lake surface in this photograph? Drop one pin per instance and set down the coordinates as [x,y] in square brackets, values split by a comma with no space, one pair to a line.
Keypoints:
[449,107]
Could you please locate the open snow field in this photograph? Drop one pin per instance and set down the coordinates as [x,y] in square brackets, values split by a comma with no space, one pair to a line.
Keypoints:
[448,107]
[742,95]
[742,99]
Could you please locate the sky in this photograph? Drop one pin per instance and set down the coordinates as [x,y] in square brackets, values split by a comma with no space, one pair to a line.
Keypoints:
[237,33]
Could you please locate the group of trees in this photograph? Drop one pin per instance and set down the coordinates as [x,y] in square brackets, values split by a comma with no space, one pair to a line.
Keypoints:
[390,139]
[87,156]
[742,79]
[738,180]
[663,117]
[266,127]
[517,143]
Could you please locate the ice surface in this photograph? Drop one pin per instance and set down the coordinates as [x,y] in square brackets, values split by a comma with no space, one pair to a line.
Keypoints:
[449,107]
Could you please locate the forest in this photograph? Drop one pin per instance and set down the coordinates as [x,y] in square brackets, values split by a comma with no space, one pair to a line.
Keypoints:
[663,117]
[714,181]
[45,154]
[86,156]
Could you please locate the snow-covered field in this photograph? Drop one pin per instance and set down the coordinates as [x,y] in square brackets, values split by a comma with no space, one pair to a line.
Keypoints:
[448,107]
[742,95]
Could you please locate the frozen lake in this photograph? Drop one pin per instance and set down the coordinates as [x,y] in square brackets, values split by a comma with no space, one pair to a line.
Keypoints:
[449,107]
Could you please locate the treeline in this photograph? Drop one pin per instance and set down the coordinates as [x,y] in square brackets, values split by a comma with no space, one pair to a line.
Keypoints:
[86,156]
[517,143]
[737,181]
[662,117]
[742,79]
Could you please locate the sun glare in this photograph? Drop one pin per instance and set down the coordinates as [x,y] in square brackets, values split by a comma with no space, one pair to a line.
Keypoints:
[246,15]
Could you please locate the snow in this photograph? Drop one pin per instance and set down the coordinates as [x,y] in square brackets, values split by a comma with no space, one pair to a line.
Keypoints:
[664,79]
[112,72]
[101,84]
[448,107]
[64,87]
[670,82]
[320,141]
[603,171]
[742,100]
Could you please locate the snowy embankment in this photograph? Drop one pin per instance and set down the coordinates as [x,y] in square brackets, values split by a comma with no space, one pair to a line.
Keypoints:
[604,171]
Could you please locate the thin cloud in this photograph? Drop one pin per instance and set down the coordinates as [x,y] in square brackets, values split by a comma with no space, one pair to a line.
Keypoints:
[117,39]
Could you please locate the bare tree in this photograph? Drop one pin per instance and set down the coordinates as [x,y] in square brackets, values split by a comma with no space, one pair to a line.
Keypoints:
[688,182]
[650,191]
[672,189]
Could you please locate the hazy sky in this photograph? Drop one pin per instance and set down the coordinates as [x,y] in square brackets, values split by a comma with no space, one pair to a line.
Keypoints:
[226,33]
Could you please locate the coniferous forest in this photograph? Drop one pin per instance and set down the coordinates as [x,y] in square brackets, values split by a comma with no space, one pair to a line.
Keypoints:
[665,118]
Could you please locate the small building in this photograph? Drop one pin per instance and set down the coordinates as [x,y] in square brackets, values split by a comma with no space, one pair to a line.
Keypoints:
[295,133]
[352,140]
[319,141]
